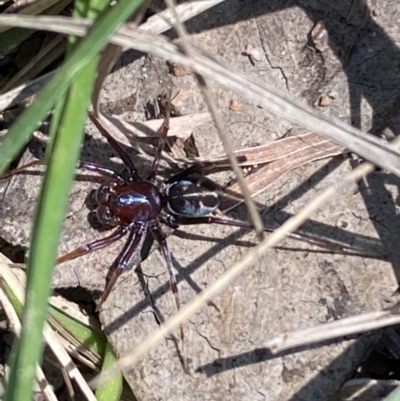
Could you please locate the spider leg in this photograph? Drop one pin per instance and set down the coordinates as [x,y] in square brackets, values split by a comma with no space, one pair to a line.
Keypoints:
[101,170]
[123,259]
[196,167]
[160,238]
[94,246]
[308,238]
[82,165]
[117,147]
[161,142]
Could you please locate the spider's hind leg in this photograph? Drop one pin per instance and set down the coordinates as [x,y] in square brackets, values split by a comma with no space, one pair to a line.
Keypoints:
[160,238]
[314,240]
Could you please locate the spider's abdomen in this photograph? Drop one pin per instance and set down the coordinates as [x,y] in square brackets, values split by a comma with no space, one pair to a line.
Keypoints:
[137,202]
[193,196]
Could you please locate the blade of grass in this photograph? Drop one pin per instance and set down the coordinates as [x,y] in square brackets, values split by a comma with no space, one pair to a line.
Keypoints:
[15,324]
[62,156]
[66,364]
[93,339]
[88,48]
[112,389]
[47,228]
[96,341]
[11,38]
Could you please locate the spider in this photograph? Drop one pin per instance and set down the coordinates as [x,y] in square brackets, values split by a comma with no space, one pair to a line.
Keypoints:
[134,205]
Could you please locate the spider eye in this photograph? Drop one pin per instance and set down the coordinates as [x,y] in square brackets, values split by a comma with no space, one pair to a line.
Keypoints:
[105,216]
[193,196]
[104,192]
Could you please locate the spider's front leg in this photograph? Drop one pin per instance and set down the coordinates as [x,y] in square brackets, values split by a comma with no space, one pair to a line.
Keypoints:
[107,172]
[123,259]
[133,173]
[163,139]
[94,246]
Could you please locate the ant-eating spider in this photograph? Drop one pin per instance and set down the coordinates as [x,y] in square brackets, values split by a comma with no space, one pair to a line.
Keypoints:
[134,205]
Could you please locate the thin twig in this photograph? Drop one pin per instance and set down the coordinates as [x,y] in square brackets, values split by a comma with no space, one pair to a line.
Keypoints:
[344,327]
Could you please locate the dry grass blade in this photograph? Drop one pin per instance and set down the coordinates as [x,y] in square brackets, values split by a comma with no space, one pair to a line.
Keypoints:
[23,92]
[75,347]
[17,5]
[165,20]
[15,324]
[284,155]
[29,8]
[50,52]
[126,131]
[51,338]
[233,272]
[366,145]
[67,363]
[344,327]
[156,24]
[255,215]
[287,147]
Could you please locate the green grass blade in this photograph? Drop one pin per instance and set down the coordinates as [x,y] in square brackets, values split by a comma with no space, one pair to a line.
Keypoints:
[65,145]
[112,390]
[17,305]
[47,228]
[88,48]
[92,338]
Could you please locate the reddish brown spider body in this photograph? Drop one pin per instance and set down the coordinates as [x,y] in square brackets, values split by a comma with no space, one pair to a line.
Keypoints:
[128,203]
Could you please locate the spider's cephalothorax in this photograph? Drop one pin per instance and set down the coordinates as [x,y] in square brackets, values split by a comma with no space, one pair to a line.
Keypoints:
[128,203]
